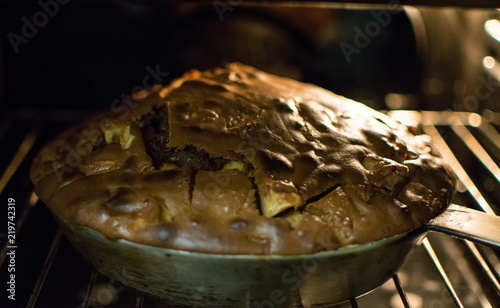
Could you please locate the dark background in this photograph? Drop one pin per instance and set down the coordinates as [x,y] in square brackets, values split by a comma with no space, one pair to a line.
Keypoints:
[91,53]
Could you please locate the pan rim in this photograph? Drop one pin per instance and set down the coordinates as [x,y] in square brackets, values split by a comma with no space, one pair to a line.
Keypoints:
[346,250]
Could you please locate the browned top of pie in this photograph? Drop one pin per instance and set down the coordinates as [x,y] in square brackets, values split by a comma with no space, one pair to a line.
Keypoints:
[236,161]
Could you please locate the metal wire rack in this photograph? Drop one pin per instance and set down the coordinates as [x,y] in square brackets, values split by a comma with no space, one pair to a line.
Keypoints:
[443,272]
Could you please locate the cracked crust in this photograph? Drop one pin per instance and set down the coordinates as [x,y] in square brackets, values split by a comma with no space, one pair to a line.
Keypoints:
[237,161]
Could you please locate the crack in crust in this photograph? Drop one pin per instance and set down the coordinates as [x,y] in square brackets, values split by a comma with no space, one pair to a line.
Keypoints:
[155,133]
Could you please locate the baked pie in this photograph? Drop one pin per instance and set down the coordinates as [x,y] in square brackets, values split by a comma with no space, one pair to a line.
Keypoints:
[237,161]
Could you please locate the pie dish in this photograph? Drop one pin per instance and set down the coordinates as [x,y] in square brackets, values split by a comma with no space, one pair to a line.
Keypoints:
[236,161]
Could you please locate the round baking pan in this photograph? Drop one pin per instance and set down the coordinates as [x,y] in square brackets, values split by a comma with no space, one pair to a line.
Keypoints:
[191,279]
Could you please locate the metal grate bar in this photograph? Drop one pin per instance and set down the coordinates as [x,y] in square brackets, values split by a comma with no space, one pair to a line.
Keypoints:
[472,247]
[54,247]
[19,224]
[18,158]
[89,291]
[354,303]
[401,292]
[457,125]
[139,302]
[476,148]
[491,257]
[448,155]
[442,273]
[489,131]
[461,268]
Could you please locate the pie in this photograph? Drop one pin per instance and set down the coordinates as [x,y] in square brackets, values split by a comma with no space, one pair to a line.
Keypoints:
[237,161]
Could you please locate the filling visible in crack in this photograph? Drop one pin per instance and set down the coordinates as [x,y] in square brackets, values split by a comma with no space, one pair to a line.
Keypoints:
[155,133]
[257,196]
[321,195]
[192,183]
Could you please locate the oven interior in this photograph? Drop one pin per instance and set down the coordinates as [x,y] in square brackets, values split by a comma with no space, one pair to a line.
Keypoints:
[435,66]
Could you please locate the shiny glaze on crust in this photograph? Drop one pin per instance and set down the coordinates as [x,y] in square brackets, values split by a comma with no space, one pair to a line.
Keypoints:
[311,170]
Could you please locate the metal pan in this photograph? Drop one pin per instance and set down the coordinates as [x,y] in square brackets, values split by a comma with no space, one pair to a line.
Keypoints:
[190,279]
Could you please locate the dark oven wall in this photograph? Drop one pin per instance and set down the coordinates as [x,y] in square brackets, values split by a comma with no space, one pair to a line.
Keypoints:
[62,59]
[86,55]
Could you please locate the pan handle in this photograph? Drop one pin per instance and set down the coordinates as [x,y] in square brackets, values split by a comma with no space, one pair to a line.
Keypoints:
[468,224]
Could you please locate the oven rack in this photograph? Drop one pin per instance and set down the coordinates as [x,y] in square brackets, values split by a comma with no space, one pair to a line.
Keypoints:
[49,273]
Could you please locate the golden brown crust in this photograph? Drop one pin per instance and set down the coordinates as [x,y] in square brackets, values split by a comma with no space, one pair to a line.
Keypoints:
[244,163]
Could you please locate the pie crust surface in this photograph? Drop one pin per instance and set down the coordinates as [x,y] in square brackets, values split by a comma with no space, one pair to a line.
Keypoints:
[237,161]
